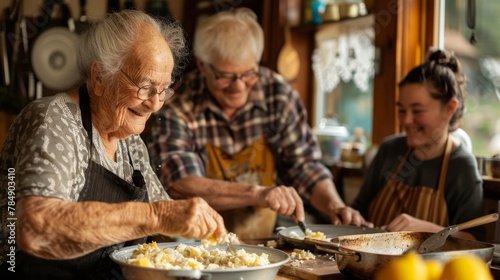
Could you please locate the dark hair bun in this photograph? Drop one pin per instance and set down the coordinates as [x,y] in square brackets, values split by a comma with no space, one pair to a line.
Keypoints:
[447,59]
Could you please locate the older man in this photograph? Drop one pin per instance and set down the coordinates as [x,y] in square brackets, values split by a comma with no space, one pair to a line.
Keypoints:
[237,135]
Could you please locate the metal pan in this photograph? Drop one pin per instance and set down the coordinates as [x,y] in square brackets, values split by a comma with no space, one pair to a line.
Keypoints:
[289,234]
[265,272]
[361,256]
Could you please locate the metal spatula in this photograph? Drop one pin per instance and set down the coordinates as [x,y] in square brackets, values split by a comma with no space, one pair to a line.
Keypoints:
[438,239]
[302,226]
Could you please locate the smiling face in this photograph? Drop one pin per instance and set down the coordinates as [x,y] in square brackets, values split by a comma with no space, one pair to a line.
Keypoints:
[119,109]
[233,95]
[424,119]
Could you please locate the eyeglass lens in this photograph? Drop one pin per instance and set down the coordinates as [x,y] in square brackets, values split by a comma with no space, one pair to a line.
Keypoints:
[146,92]
[229,78]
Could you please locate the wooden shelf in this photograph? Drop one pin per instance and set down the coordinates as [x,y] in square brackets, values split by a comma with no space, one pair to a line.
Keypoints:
[311,27]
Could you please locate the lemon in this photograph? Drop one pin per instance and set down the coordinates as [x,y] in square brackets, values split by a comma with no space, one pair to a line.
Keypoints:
[466,267]
[410,266]
[434,269]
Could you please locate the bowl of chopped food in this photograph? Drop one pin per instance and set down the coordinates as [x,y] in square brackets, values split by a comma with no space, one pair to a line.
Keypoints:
[174,260]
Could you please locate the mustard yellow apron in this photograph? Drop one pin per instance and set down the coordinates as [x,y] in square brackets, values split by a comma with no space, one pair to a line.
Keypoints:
[253,165]
[422,202]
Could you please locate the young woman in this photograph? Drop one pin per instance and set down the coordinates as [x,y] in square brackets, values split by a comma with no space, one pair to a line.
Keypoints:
[424,179]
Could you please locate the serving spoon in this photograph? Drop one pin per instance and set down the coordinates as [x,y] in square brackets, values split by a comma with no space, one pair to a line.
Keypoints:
[438,239]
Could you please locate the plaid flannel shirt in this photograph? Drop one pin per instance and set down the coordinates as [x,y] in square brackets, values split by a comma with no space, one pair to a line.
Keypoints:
[184,126]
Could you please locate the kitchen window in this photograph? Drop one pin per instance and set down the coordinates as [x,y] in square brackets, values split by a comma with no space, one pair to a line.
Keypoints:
[481,63]
[343,66]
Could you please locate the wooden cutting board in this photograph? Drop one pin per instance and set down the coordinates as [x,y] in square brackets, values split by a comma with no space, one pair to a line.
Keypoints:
[323,267]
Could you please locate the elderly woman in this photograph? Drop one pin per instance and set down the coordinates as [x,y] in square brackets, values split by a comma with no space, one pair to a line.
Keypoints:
[425,179]
[80,173]
[238,136]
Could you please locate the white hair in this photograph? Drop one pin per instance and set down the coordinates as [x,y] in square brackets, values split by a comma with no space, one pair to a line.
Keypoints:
[110,40]
[229,35]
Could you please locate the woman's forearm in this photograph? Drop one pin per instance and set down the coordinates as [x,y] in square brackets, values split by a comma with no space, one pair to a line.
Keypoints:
[55,229]
[325,197]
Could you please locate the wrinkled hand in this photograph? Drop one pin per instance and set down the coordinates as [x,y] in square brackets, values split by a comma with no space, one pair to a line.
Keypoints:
[405,222]
[190,218]
[284,200]
[347,216]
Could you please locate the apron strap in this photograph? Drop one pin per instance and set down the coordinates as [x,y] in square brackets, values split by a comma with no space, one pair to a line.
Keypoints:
[400,165]
[444,166]
[87,122]
[85,109]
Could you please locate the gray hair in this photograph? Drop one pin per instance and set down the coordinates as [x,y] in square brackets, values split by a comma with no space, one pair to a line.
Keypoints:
[111,39]
[229,35]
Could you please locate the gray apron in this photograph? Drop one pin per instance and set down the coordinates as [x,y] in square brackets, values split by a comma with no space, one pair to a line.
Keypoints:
[100,185]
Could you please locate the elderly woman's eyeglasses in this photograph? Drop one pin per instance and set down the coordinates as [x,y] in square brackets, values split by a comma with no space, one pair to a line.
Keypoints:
[225,79]
[146,92]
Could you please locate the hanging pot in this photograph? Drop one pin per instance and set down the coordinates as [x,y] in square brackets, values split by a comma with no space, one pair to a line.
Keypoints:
[54,51]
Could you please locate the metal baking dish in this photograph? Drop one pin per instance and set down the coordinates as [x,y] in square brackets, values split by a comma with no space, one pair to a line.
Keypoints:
[361,256]
[266,272]
[330,231]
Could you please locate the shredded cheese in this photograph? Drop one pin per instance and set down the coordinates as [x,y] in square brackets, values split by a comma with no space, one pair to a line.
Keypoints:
[302,254]
[309,233]
[194,257]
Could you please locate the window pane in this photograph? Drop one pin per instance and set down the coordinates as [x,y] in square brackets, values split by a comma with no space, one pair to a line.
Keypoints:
[481,64]
[343,65]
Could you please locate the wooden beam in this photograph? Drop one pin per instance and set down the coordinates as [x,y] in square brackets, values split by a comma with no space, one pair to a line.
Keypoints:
[404,30]
[388,45]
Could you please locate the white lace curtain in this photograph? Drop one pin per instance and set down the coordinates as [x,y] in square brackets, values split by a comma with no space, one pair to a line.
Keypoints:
[346,56]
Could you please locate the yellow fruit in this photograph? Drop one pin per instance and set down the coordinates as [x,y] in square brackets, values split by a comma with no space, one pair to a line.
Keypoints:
[410,266]
[466,267]
[434,269]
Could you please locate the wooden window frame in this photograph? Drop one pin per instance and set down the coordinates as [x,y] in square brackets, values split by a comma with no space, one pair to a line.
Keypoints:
[404,31]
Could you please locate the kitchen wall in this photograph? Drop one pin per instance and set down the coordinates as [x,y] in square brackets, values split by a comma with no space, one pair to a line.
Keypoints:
[95,8]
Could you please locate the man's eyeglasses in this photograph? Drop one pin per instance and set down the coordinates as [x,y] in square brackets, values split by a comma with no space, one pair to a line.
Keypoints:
[225,79]
[146,92]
